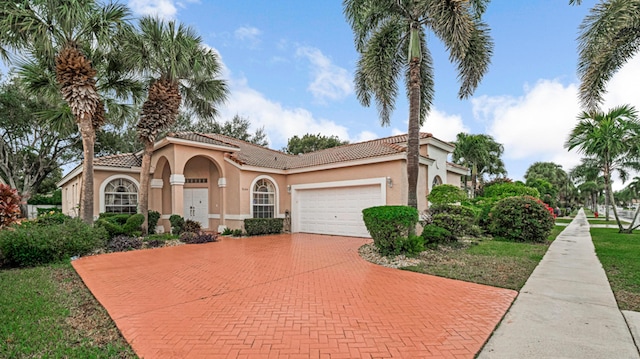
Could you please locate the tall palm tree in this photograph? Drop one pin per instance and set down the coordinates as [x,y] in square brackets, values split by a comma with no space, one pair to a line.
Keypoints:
[613,140]
[481,153]
[64,35]
[391,38]
[554,174]
[609,37]
[179,70]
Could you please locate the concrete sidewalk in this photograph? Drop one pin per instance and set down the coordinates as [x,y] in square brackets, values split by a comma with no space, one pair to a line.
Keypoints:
[566,309]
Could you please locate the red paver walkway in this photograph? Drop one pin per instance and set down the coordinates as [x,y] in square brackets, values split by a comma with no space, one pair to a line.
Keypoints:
[287,296]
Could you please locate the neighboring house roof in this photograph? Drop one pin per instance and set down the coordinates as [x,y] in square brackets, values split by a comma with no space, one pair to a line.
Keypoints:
[259,156]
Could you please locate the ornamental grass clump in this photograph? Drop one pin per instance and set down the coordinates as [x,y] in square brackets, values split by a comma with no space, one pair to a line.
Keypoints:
[391,227]
[521,219]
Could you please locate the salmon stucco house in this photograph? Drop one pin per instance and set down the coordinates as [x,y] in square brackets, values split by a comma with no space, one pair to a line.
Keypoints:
[219,181]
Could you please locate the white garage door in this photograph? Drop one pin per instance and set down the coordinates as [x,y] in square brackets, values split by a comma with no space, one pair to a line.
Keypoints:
[336,210]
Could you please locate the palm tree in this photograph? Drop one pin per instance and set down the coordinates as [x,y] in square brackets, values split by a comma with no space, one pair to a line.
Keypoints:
[64,36]
[179,70]
[481,153]
[552,173]
[391,35]
[613,140]
[608,39]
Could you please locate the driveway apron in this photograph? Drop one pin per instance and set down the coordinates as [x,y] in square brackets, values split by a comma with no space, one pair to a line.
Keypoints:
[287,296]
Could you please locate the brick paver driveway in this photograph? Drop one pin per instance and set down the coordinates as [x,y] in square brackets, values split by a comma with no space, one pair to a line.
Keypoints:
[286,296]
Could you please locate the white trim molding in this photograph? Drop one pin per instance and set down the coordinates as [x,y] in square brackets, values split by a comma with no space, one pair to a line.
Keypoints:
[177,179]
[157,183]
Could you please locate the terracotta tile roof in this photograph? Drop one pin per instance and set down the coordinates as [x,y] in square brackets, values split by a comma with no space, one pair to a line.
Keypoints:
[122,160]
[202,138]
[254,155]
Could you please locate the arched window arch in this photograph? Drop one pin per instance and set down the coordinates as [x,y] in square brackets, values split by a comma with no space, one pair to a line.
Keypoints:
[436,181]
[263,198]
[120,195]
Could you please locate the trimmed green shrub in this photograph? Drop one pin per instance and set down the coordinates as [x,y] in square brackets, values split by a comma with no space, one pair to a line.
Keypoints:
[112,229]
[260,226]
[9,205]
[389,226]
[460,221]
[133,226]
[153,218]
[116,218]
[434,234]
[510,189]
[177,224]
[192,226]
[521,219]
[446,194]
[34,244]
[227,231]
[123,243]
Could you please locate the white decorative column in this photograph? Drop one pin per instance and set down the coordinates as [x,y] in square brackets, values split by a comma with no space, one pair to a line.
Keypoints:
[222,185]
[177,193]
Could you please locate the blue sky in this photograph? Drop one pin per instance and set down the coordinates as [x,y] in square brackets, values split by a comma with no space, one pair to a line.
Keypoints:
[290,68]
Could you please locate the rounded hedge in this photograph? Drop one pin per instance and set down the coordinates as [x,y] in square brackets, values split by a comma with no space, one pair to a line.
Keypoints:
[521,219]
[390,226]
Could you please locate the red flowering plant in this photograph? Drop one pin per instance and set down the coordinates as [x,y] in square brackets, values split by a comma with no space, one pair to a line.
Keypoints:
[9,205]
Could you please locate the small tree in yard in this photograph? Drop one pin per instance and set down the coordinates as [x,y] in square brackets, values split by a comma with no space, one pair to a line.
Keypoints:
[446,194]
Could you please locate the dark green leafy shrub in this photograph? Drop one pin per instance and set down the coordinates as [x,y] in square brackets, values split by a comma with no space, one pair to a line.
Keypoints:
[510,189]
[133,226]
[9,205]
[123,243]
[260,226]
[446,194]
[153,218]
[521,219]
[34,244]
[112,229]
[54,199]
[48,210]
[460,221]
[434,234]
[412,245]
[51,218]
[389,226]
[177,224]
[227,231]
[116,218]
[236,232]
[191,226]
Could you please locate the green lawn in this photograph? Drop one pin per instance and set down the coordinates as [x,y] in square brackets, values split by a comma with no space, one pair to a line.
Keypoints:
[564,220]
[620,257]
[47,312]
[492,262]
[604,221]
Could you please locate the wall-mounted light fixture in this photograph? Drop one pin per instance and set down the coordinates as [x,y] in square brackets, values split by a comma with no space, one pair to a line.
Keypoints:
[289,188]
[389,182]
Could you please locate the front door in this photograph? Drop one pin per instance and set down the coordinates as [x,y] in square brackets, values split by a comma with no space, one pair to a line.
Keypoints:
[196,205]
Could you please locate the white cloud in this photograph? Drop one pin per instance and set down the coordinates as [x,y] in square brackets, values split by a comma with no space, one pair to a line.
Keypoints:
[443,126]
[248,33]
[535,126]
[160,8]
[280,123]
[364,136]
[330,82]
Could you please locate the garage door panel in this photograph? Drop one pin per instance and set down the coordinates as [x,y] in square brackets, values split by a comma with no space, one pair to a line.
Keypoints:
[336,210]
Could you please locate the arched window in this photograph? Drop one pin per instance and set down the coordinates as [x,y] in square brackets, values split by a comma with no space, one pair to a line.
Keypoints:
[264,199]
[436,181]
[121,196]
